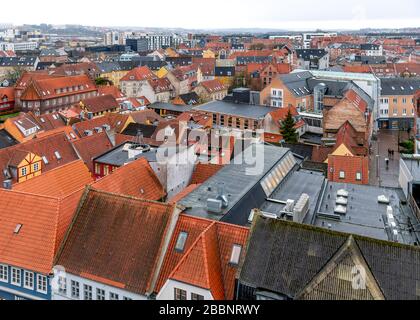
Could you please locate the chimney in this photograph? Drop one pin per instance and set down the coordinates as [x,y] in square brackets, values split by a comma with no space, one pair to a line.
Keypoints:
[7,184]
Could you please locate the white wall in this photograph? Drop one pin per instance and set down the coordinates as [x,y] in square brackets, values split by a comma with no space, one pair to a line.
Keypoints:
[168,291]
[405,178]
[95,285]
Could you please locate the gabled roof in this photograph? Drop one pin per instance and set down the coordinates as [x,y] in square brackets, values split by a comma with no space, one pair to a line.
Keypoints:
[204,171]
[213,86]
[7,93]
[52,87]
[160,85]
[117,240]
[50,121]
[100,103]
[139,74]
[146,116]
[43,221]
[90,147]
[43,147]
[112,90]
[135,179]
[399,86]
[285,257]
[344,111]
[59,182]
[205,260]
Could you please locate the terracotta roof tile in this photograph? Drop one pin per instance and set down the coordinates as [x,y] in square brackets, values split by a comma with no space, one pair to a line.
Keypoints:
[117,238]
[43,219]
[90,147]
[59,182]
[43,147]
[205,260]
[139,74]
[135,179]
[204,171]
[100,103]
[112,90]
[212,86]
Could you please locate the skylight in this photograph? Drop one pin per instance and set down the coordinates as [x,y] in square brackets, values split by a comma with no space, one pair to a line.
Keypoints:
[44,158]
[236,254]
[180,243]
[17,229]
[57,155]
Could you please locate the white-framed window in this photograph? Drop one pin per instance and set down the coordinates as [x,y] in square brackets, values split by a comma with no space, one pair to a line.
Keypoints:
[62,285]
[16,276]
[342,175]
[4,273]
[41,283]
[100,294]
[36,166]
[28,279]
[180,294]
[113,296]
[87,292]
[24,171]
[359,176]
[75,289]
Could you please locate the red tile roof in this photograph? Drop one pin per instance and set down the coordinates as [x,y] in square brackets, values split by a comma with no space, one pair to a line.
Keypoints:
[59,182]
[119,239]
[7,93]
[183,193]
[112,90]
[116,122]
[204,171]
[100,103]
[43,220]
[50,121]
[90,147]
[147,116]
[43,147]
[135,179]
[161,85]
[212,86]
[205,260]
[52,87]
[139,74]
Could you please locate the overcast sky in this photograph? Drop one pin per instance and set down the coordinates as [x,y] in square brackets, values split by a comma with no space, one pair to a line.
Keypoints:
[216,14]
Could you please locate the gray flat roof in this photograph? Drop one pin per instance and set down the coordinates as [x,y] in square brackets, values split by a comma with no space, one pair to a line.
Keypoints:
[236,183]
[118,157]
[170,107]
[236,109]
[298,183]
[365,216]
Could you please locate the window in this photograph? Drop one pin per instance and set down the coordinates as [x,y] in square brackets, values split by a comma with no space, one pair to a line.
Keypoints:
[41,283]
[36,166]
[180,243]
[196,297]
[342,175]
[180,294]
[127,298]
[75,290]
[97,168]
[62,285]
[87,292]
[236,254]
[16,274]
[4,273]
[24,171]
[100,294]
[113,296]
[28,279]
[358,176]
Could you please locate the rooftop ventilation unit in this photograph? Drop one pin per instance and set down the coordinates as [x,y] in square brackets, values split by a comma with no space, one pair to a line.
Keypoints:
[290,204]
[342,210]
[383,199]
[341,201]
[214,205]
[301,208]
[342,193]
[7,184]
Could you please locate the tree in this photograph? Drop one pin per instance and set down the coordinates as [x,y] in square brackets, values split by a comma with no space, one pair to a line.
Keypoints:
[288,129]
[103,82]
[13,75]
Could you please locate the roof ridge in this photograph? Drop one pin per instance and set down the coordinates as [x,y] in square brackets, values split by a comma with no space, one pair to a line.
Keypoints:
[32,194]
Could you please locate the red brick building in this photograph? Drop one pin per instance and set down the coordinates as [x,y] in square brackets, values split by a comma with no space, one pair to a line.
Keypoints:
[348,169]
